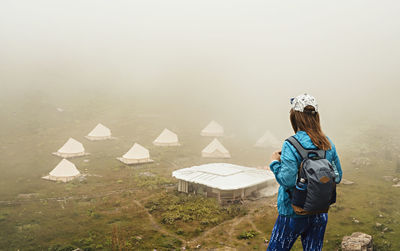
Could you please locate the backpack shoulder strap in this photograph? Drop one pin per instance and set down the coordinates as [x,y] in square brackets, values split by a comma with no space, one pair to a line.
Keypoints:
[304,153]
[300,149]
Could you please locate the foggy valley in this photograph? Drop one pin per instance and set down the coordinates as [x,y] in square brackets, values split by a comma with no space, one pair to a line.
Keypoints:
[138,67]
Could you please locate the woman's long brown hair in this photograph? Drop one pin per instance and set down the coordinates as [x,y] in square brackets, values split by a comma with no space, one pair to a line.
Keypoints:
[308,121]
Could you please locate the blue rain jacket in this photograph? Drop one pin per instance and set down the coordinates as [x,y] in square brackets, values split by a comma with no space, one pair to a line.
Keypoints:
[286,170]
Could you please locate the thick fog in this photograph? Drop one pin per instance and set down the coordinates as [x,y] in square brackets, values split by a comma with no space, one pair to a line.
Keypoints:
[138,67]
[235,59]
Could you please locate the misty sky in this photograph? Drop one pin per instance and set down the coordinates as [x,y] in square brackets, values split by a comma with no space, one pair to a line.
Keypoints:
[250,53]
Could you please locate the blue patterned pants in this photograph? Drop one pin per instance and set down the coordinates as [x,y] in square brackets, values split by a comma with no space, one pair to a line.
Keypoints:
[287,229]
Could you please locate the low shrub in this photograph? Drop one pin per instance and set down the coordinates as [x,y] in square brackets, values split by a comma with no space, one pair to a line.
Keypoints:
[174,207]
[247,235]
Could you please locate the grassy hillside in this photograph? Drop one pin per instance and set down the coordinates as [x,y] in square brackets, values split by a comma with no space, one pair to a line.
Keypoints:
[137,207]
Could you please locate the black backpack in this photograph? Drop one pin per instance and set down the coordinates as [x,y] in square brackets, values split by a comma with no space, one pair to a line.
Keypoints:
[315,188]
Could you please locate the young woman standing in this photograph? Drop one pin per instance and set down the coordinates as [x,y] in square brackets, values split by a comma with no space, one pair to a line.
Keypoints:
[304,117]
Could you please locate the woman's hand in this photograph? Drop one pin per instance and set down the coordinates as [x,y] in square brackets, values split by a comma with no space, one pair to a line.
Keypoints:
[276,156]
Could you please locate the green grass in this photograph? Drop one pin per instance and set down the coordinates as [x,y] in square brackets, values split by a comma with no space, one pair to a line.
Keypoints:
[247,235]
[193,212]
[94,214]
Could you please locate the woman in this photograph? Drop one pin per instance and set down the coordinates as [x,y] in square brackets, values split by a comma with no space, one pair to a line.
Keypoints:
[304,117]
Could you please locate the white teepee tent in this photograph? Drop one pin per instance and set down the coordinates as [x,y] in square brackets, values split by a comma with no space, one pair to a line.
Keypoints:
[166,138]
[215,150]
[65,171]
[72,148]
[213,129]
[268,140]
[136,155]
[100,132]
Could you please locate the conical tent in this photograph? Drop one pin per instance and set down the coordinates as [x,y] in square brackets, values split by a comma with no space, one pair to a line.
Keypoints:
[213,129]
[64,171]
[215,150]
[100,132]
[136,155]
[72,148]
[166,138]
[268,140]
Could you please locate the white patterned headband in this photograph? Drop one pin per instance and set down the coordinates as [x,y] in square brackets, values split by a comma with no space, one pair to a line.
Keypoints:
[300,102]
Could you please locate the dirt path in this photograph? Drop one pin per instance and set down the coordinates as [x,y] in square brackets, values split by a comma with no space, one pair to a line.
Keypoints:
[254,226]
[235,223]
[230,225]
[225,225]
[155,225]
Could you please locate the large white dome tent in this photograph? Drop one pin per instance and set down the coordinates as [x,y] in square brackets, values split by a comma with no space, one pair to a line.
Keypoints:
[65,171]
[167,138]
[100,132]
[136,155]
[213,129]
[215,150]
[72,148]
[268,140]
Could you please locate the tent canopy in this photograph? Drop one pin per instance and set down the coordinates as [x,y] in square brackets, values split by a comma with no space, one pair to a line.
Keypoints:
[100,131]
[166,137]
[215,145]
[224,176]
[137,152]
[268,140]
[72,146]
[65,169]
[213,129]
